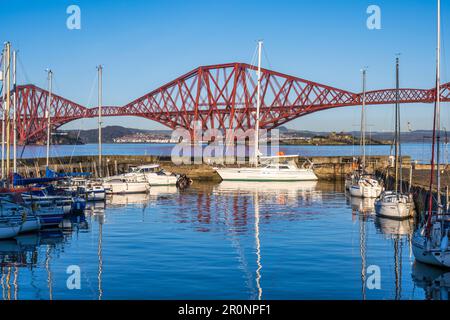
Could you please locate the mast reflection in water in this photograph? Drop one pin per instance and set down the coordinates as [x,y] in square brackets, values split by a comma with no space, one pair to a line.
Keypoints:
[222,241]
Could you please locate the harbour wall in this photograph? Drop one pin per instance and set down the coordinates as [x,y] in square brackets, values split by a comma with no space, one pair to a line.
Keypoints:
[333,168]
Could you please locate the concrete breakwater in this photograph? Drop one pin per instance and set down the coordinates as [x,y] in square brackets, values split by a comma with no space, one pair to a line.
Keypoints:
[327,168]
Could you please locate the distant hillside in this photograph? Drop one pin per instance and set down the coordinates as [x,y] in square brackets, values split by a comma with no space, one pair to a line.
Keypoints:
[108,133]
[113,132]
[413,136]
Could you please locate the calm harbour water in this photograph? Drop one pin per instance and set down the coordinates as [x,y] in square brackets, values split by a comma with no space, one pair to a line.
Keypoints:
[223,241]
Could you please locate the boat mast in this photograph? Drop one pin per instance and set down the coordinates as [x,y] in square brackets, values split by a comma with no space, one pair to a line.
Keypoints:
[363,121]
[438,109]
[7,111]
[49,101]
[258,104]
[3,111]
[100,70]
[14,112]
[436,127]
[397,125]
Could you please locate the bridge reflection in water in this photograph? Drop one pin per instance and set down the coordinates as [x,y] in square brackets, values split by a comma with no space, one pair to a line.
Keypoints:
[257,225]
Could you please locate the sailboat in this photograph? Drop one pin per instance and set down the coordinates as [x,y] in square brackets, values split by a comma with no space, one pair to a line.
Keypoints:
[275,168]
[430,242]
[360,183]
[396,204]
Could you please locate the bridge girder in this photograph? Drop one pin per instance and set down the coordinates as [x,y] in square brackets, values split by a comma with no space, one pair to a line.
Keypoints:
[218,96]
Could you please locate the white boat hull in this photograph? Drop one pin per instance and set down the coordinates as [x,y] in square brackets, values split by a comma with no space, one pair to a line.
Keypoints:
[161,180]
[9,230]
[438,258]
[127,187]
[365,191]
[260,174]
[396,210]
[96,195]
[30,225]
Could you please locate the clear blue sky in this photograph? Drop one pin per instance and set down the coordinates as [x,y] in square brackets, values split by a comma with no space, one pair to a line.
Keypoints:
[144,44]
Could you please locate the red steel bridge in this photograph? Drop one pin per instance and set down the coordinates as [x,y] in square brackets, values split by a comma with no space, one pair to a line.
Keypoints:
[218,96]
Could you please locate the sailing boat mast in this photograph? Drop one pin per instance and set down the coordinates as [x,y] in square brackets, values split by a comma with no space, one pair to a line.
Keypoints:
[363,121]
[7,110]
[14,112]
[397,126]
[438,108]
[258,104]
[100,70]
[3,111]
[436,127]
[49,101]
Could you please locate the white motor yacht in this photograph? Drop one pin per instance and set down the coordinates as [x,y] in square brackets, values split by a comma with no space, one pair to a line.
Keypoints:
[123,185]
[156,176]
[91,190]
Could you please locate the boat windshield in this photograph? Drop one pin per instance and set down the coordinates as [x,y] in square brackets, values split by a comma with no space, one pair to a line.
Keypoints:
[282,163]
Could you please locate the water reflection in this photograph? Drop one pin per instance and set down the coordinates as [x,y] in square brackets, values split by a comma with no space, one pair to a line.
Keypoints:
[400,233]
[265,238]
[23,253]
[394,229]
[364,206]
[123,200]
[434,281]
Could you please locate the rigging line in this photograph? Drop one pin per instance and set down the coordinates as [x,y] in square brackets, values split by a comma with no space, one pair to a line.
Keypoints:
[22,69]
[57,89]
[91,93]
[266,55]
[255,54]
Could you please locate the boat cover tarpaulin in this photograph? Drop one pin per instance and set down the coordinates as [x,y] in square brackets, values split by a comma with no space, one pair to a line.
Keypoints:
[49,173]
[18,180]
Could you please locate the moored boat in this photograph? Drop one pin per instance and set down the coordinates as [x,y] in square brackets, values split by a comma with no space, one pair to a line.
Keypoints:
[155,175]
[277,168]
[365,186]
[396,204]
[430,242]
[122,185]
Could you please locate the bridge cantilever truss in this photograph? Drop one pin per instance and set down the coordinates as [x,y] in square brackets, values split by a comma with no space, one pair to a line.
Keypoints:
[218,96]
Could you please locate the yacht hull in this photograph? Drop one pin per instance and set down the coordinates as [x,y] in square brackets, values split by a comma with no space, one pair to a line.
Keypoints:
[365,191]
[50,217]
[256,174]
[398,211]
[8,230]
[96,195]
[161,180]
[127,187]
[30,225]
[433,257]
